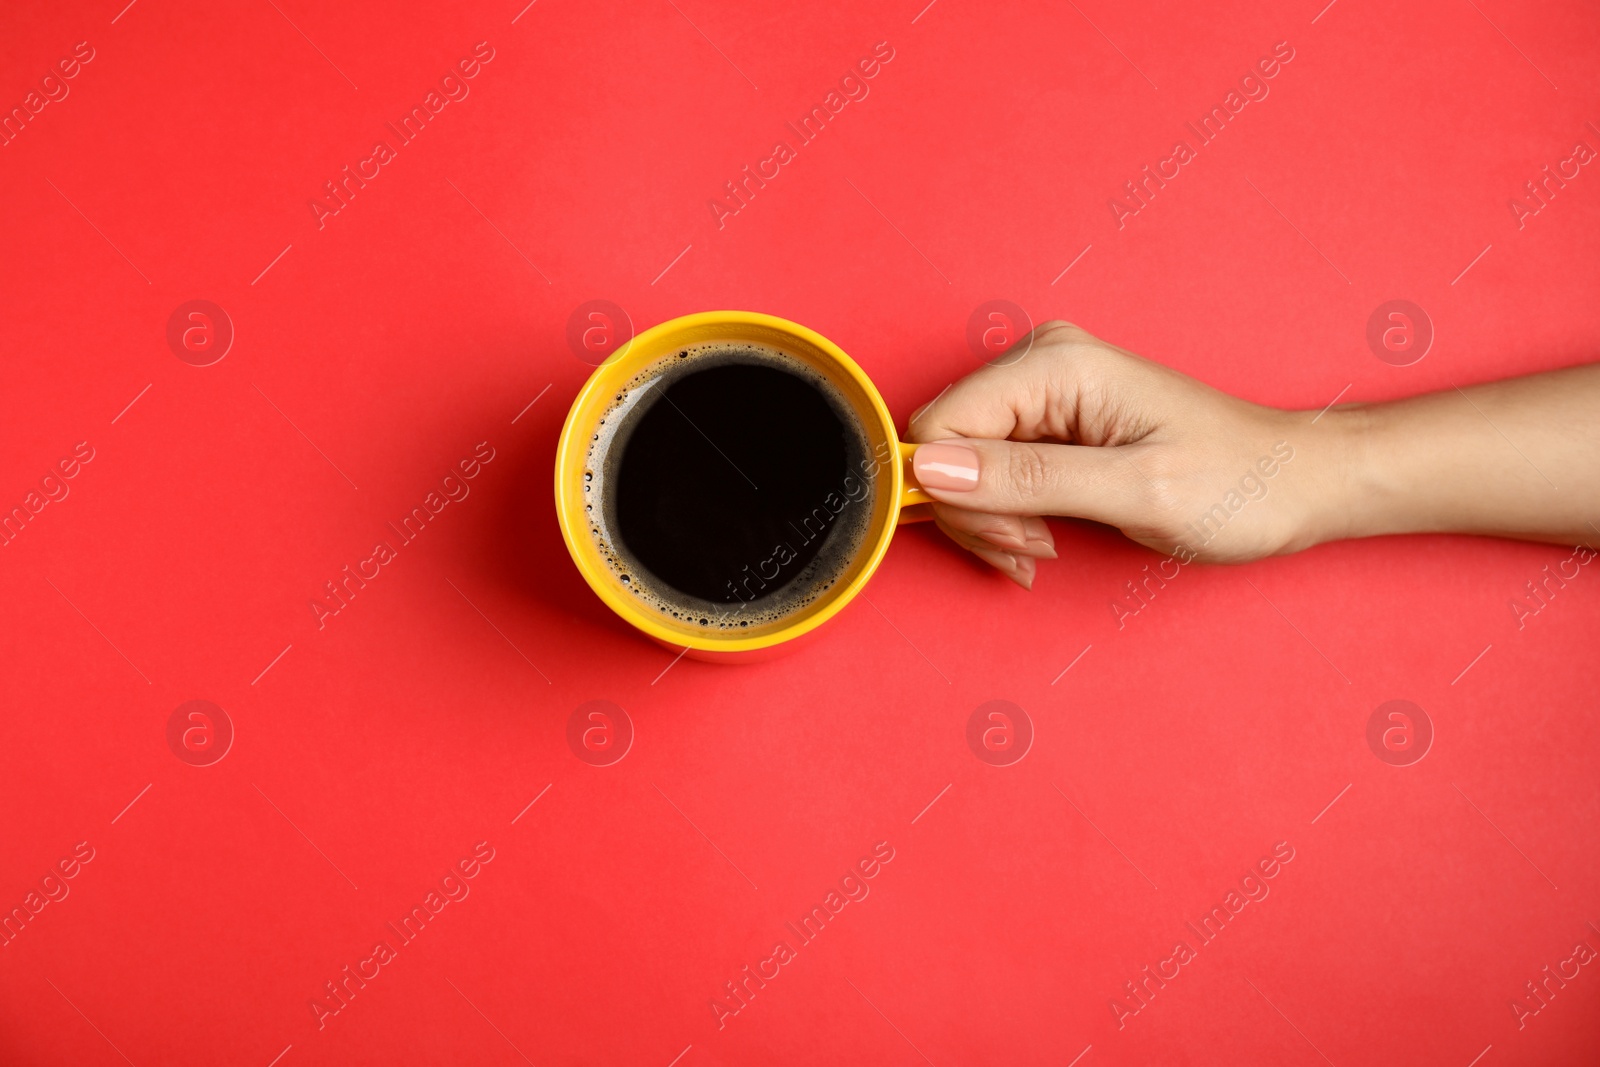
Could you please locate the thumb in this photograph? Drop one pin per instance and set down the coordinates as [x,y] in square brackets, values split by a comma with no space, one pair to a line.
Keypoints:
[1030,478]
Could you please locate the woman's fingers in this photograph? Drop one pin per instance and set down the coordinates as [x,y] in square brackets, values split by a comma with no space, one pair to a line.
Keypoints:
[1018,567]
[993,453]
[1023,535]
[1058,383]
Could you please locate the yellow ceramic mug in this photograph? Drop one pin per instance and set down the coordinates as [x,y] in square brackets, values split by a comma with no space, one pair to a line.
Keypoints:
[895,494]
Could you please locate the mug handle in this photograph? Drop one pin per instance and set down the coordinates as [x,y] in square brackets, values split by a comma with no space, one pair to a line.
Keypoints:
[915,504]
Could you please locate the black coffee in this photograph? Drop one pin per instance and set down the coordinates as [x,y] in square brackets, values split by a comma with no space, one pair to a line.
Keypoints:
[731,485]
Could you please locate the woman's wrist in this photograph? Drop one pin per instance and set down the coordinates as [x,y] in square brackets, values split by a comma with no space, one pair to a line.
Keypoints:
[1342,480]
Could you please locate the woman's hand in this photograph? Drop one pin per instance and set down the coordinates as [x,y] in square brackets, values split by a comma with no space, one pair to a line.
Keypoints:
[1066,424]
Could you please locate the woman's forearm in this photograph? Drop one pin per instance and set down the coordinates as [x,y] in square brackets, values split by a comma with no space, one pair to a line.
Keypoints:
[1515,458]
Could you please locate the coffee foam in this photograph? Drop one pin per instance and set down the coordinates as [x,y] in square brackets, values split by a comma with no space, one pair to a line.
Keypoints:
[609,441]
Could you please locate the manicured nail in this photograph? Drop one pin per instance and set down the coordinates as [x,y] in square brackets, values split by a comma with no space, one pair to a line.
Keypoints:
[1040,542]
[1004,539]
[1004,562]
[946,465]
[1040,548]
[1019,569]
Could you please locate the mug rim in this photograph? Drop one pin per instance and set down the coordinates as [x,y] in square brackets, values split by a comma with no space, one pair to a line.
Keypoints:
[574,437]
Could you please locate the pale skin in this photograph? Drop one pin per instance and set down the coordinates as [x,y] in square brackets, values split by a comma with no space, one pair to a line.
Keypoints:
[1079,427]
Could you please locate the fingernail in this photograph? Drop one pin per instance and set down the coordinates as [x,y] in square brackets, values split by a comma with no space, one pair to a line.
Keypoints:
[1040,541]
[1019,569]
[946,465]
[1037,547]
[1004,539]
[1004,562]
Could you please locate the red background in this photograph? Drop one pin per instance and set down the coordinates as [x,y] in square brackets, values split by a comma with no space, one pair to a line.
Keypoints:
[422,719]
